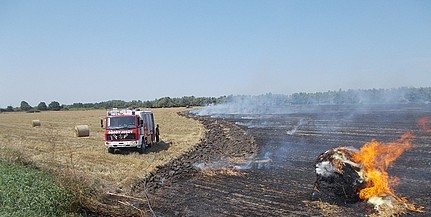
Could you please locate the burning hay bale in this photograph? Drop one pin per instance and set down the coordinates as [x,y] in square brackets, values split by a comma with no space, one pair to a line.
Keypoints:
[338,178]
[82,131]
[348,175]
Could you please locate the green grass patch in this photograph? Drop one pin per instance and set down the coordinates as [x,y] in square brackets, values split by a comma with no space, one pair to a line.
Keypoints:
[27,191]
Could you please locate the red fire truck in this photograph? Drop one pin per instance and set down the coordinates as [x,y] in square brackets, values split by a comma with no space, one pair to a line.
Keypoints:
[128,129]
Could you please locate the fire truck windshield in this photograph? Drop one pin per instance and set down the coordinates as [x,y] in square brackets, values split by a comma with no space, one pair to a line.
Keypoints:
[121,122]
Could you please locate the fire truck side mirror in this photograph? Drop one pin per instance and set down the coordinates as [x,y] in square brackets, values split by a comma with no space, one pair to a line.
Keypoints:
[101,123]
[141,122]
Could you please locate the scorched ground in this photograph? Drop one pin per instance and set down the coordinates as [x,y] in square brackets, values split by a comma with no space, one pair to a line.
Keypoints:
[264,164]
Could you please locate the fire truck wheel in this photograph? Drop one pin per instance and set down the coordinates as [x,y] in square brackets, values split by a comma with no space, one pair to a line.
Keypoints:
[111,150]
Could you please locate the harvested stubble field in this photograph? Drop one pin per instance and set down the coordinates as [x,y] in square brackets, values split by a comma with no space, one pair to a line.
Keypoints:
[54,146]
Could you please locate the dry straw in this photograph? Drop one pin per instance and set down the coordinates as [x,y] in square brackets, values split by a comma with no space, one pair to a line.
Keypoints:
[35,123]
[82,131]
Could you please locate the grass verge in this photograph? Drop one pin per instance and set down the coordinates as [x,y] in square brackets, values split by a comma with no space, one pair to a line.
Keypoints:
[28,191]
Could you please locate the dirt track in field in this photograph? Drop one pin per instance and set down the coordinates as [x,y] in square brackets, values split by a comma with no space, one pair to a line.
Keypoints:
[266,166]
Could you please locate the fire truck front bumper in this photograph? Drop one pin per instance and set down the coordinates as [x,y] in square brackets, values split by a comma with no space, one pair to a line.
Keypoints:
[122,144]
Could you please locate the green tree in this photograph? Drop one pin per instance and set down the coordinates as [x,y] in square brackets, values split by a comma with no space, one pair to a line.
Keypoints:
[25,106]
[165,102]
[42,106]
[9,109]
[148,104]
[54,106]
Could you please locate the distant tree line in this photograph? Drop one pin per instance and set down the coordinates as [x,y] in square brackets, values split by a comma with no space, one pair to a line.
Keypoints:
[402,95]
[165,102]
[24,106]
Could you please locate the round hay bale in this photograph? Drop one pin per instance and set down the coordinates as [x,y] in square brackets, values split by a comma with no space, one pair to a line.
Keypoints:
[82,131]
[337,177]
[35,123]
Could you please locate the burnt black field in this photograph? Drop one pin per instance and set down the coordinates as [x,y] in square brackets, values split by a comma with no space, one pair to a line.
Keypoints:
[280,179]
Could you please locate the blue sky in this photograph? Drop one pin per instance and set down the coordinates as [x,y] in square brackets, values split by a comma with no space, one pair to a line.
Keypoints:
[92,51]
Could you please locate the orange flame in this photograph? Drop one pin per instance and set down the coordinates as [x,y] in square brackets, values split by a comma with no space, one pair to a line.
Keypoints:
[376,157]
[424,123]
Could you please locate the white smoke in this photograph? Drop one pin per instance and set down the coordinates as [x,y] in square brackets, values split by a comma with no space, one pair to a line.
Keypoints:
[286,104]
[295,128]
[247,105]
[325,169]
[258,163]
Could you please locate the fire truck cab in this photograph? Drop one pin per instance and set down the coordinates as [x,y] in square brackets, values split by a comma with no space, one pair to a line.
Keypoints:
[128,129]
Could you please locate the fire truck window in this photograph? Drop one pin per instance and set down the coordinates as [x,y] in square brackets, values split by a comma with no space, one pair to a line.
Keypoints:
[128,122]
[121,122]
